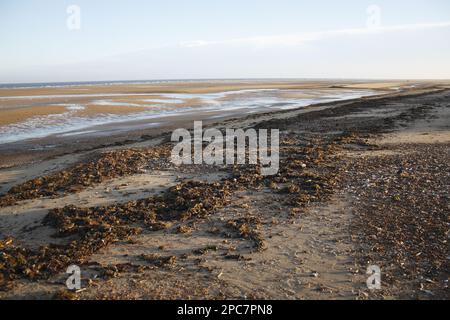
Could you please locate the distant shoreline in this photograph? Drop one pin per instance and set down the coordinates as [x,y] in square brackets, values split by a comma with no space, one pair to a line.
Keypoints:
[57,84]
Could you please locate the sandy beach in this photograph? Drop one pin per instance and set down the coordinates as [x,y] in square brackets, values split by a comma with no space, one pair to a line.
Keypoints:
[363,181]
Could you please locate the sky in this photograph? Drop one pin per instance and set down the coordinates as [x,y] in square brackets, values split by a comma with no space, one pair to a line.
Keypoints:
[88,40]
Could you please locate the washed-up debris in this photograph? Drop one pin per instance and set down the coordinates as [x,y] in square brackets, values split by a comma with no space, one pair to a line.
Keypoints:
[205,249]
[114,270]
[249,228]
[93,228]
[90,229]
[65,294]
[402,220]
[18,262]
[103,167]
[159,260]
[184,229]
[238,257]
[305,176]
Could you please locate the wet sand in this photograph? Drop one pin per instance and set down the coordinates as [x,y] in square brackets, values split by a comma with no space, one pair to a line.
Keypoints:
[100,112]
[361,182]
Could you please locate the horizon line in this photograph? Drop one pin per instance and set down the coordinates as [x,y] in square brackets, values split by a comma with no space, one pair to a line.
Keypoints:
[81,82]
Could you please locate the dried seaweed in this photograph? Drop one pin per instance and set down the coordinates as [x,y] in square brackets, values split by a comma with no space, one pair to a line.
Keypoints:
[103,167]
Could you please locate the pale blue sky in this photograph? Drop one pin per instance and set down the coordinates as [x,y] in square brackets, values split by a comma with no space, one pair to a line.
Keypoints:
[137,39]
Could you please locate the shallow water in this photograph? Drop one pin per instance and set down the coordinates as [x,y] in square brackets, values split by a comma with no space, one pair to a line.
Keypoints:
[72,122]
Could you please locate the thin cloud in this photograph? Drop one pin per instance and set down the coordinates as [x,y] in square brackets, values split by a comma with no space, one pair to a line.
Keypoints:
[299,39]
